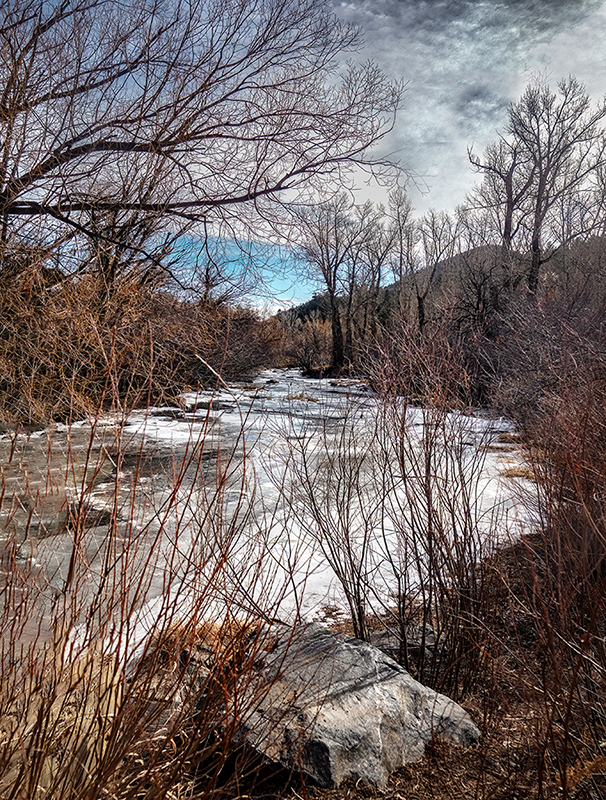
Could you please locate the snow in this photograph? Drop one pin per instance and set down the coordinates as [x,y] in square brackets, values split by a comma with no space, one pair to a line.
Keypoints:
[284,443]
[277,419]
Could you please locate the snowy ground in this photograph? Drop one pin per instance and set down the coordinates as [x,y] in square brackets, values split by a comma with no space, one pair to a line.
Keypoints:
[283,415]
[268,440]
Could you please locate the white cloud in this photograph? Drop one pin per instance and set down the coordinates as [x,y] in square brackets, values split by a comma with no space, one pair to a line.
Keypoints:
[464,61]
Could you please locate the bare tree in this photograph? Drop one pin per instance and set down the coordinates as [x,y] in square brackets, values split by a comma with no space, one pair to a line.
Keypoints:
[406,238]
[421,248]
[508,175]
[348,248]
[377,254]
[363,277]
[437,243]
[331,239]
[553,146]
[200,108]
[485,276]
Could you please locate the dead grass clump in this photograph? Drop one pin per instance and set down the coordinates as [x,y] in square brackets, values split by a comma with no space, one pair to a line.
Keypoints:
[91,728]
[522,473]
[498,448]
[506,437]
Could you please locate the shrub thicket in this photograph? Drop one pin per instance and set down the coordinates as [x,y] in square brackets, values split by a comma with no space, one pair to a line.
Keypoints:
[70,348]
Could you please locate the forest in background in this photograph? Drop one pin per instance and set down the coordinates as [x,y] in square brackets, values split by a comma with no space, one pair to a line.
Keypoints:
[512,281]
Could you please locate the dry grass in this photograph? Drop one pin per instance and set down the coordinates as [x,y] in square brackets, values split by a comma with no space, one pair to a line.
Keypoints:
[101,696]
[69,349]
[519,472]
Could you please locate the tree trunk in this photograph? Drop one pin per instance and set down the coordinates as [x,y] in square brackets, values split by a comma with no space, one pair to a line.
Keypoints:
[535,265]
[338,350]
[421,311]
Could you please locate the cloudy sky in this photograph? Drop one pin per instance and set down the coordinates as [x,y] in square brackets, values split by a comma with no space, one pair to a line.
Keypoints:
[464,61]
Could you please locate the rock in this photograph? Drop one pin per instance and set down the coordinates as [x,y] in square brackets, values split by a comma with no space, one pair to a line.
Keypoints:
[419,639]
[212,405]
[340,709]
[168,412]
[31,427]
[418,648]
[86,515]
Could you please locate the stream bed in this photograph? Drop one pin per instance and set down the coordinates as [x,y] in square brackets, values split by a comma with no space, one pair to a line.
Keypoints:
[248,486]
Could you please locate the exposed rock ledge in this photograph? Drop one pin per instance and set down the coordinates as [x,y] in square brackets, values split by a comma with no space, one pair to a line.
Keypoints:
[340,709]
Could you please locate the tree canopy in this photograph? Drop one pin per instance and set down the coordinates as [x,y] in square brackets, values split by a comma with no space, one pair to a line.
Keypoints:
[118,119]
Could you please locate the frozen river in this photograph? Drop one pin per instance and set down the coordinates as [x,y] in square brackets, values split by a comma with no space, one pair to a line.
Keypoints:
[325,503]
[272,497]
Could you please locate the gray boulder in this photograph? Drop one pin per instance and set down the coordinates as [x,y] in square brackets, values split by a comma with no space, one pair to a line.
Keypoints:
[338,708]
